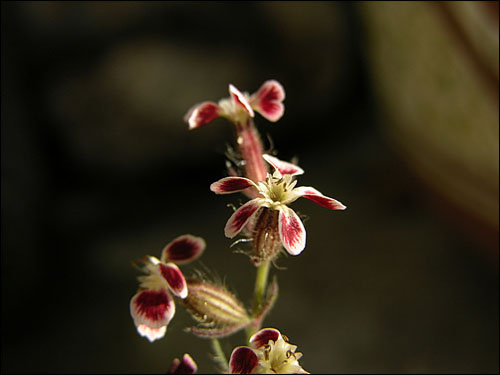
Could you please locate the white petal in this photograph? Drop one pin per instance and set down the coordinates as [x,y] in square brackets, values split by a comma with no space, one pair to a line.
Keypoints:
[314,195]
[153,308]
[292,231]
[202,114]
[174,278]
[230,185]
[241,216]
[243,360]
[151,334]
[240,100]
[262,337]
[183,249]
[267,100]
[282,166]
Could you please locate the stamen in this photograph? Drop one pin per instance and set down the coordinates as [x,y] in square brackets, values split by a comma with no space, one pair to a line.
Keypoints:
[266,354]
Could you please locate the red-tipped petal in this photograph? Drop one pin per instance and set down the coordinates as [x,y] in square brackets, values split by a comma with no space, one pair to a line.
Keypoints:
[292,231]
[174,278]
[175,364]
[151,334]
[243,360]
[229,185]
[314,195]
[263,336]
[201,114]
[152,308]
[186,366]
[241,217]
[282,166]
[240,100]
[183,249]
[267,100]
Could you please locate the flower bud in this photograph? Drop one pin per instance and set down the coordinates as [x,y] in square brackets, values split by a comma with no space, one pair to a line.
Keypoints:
[219,311]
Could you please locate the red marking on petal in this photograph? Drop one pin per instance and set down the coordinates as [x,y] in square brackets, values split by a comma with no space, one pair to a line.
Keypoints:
[327,202]
[201,114]
[267,100]
[282,166]
[230,185]
[174,278]
[243,361]
[262,337]
[241,217]
[315,196]
[272,111]
[183,249]
[155,309]
[186,366]
[292,231]
[240,100]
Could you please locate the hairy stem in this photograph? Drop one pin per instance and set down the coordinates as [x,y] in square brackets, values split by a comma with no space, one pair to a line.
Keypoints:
[250,147]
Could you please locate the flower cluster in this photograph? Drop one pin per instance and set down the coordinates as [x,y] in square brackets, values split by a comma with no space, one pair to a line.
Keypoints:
[266,220]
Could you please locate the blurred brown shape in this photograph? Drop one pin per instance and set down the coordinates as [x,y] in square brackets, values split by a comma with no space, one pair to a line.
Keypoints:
[435,66]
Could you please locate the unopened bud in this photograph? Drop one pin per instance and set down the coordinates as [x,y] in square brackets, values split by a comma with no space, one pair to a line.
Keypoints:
[219,311]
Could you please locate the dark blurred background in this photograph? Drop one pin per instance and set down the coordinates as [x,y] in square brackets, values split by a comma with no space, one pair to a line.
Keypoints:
[391,108]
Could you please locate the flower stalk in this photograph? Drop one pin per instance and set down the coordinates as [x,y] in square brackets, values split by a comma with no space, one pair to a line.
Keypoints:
[258,297]
[260,286]
[251,150]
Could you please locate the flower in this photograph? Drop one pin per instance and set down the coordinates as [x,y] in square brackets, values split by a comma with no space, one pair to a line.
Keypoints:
[186,366]
[270,353]
[153,306]
[275,193]
[240,106]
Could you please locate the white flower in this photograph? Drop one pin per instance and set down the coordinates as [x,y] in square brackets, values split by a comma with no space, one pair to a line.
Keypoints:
[275,193]
[153,306]
[240,106]
[269,353]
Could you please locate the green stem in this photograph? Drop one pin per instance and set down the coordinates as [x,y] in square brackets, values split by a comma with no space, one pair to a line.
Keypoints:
[259,291]
[219,356]
[260,286]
